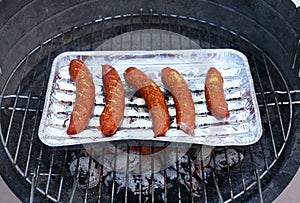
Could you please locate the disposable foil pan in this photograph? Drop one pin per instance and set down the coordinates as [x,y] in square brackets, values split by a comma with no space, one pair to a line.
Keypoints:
[243,127]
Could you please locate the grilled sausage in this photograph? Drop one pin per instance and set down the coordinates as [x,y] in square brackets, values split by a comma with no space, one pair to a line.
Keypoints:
[214,94]
[146,150]
[113,112]
[184,104]
[154,98]
[85,96]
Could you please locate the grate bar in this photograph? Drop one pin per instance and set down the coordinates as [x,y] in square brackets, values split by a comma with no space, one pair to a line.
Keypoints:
[62,176]
[267,112]
[49,173]
[127,176]
[46,174]
[296,57]
[228,171]
[203,176]
[35,177]
[165,177]
[276,100]
[101,176]
[19,96]
[140,177]
[21,131]
[178,174]
[191,179]
[14,109]
[152,176]
[88,178]
[242,175]
[217,188]
[114,178]
[75,183]
[33,183]
[16,99]
[261,199]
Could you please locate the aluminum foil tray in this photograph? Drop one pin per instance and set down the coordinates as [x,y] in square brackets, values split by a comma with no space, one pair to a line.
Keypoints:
[243,127]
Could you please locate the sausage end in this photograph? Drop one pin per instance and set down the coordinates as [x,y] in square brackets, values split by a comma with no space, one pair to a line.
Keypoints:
[107,131]
[106,69]
[128,70]
[185,128]
[71,129]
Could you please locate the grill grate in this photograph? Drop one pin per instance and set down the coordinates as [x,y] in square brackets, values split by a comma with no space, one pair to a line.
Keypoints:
[47,170]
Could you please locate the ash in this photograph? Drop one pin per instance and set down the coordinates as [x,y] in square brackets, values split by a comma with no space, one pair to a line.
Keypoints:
[173,179]
[86,170]
[175,176]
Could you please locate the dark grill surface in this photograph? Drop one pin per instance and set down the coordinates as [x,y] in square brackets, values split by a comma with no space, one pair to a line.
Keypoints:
[53,173]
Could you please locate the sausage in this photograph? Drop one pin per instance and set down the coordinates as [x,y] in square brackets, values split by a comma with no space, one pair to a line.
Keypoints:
[154,98]
[113,112]
[184,104]
[85,96]
[146,150]
[214,94]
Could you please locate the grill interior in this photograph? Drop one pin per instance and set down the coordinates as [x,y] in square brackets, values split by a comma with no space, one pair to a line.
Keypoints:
[46,171]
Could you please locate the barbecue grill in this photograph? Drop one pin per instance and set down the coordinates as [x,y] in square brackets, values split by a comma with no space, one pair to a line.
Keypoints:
[34,33]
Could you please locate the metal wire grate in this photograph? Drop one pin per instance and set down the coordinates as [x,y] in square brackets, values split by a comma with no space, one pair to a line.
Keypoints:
[47,170]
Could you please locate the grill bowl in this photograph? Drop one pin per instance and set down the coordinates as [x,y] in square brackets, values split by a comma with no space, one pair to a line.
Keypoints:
[259,29]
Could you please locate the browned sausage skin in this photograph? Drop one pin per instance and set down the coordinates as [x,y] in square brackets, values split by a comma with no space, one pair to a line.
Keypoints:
[85,96]
[154,98]
[113,112]
[214,94]
[184,104]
